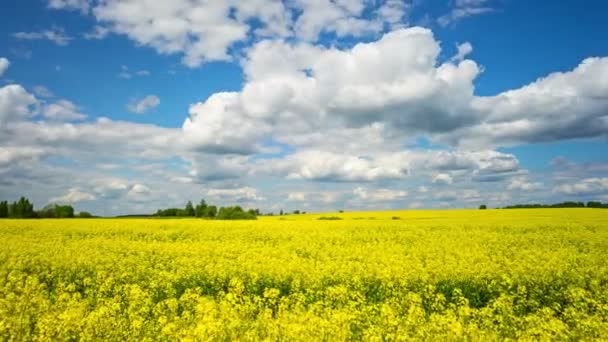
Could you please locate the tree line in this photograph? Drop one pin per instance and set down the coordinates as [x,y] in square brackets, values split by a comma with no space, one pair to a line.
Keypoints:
[24,209]
[591,204]
[204,210]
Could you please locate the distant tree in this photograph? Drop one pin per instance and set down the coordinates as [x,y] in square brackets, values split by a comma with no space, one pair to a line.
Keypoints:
[169,212]
[483,207]
[297,212]
[3,209]
[211,211]
[201,209]
[85,214]
[56,211]
[189,211]
[597,205]
[281,212]
[235,213]
[341,211]
[21,209]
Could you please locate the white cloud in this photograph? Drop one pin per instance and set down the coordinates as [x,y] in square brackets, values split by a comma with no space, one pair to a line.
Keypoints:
[73,196]
[379,195]
[139,193]
[82,5]
[143,105]
[16,104]
[245,194]
[206,30]
[464,9]
[327,166]
[443,178]
[294,90]
[55,35]
[588,186]
[464,50]
[563,105]
[62,110]
[4,64]
[523,184]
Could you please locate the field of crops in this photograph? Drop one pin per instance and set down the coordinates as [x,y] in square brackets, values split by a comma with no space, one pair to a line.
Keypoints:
[408,275]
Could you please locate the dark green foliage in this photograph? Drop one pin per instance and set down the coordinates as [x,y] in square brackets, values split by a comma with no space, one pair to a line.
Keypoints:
[557,205]
[21,209]
[189,211]
[203,210]
[170,212]
[3,209]
[296,212]
[56,211]
[597,205]
[483,207]
[85,214]
[211,211]
[235,213]
[329,218]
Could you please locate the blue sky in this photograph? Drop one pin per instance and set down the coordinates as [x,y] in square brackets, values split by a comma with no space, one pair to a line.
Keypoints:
[147,105]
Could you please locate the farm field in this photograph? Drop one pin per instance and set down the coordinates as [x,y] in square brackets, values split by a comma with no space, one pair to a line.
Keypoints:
[400,275]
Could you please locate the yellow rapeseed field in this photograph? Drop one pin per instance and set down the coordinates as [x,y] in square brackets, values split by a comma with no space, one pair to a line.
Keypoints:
[378,276]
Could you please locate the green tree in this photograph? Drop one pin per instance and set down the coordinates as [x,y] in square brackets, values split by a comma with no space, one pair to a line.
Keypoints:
[201,209]
[211,211]
[3,209]
[483,207]
[235,213]
[21,209]
[189,211]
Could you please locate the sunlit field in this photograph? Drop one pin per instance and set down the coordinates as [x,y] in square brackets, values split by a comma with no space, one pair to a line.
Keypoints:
[406,275]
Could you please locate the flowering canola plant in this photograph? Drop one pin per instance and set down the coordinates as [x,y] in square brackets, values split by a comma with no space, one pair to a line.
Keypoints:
[374,276]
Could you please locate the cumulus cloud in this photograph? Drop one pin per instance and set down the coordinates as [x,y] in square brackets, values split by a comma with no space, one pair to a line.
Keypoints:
[16,104]
[563,105]
[143,105]
[588,186]
[327,166]
[392,84]
[464,50]
[4,64]
[56,35]
[443,178]
[379,195]
[139,193]
[244,194]
[62,110]
[206,30]
[73,196]
[523,184]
